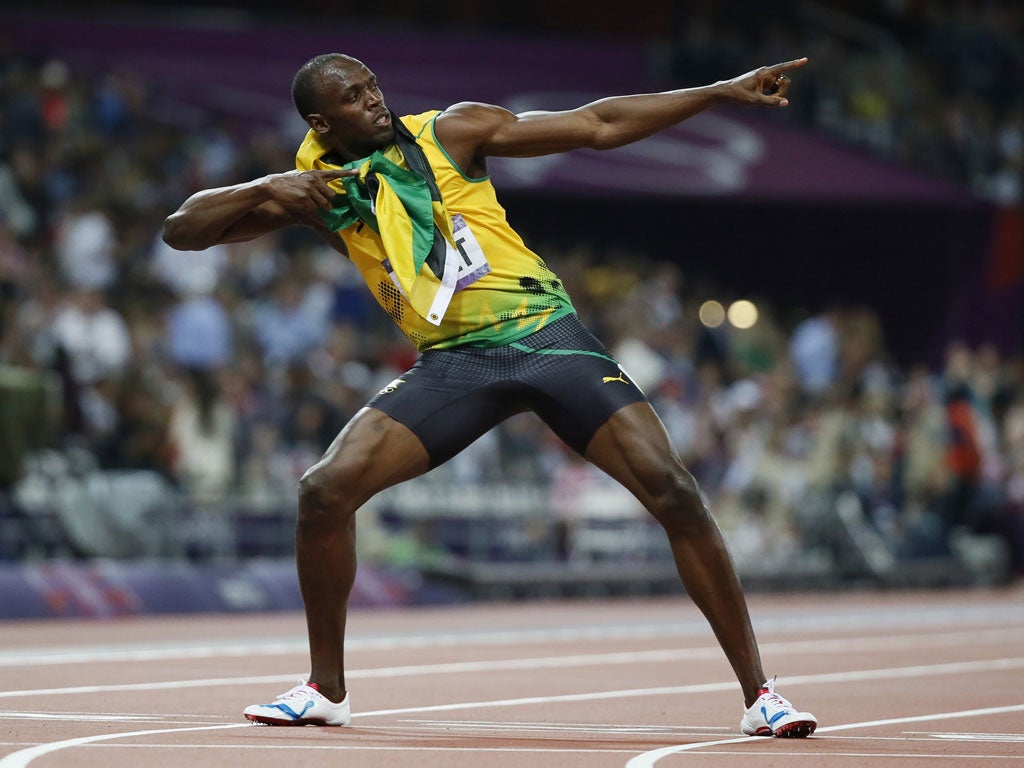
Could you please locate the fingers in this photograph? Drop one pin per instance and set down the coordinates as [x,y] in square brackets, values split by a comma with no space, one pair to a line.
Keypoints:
[788,65]
[320,193]
[335,173]
[307,190]
[773,86]
[776,82]
[321,196]
[326,195]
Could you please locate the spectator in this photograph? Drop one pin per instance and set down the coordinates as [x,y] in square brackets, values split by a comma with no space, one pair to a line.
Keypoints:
[85,246]
[814,350]
[201,433]
[292,321]
[199,333]
[94,335]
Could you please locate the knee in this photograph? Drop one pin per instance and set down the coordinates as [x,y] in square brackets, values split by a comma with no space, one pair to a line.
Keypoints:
[677,503]
[325,498]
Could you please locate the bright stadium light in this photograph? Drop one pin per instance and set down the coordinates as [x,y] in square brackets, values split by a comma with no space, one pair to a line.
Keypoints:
[742,314]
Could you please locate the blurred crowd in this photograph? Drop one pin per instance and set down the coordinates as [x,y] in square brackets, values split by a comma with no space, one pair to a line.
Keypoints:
[227,372]
[933,85]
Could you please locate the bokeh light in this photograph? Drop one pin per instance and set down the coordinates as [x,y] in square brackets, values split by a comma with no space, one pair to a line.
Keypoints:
[711,313]
[743,314]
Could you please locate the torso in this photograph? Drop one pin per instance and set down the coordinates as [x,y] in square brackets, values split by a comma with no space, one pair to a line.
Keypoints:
[517,296]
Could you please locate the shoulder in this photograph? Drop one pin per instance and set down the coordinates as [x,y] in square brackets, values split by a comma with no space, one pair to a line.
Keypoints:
[308,155]
[416,123]
[466,129]
[472,115]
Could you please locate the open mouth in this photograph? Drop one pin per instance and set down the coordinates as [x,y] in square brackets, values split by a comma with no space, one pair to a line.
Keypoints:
[383,120]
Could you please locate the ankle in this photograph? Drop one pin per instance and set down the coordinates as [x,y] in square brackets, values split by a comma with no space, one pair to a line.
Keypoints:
[751,696]
[336,695]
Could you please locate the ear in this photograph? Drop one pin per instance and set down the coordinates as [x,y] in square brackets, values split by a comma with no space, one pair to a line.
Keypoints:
[318,123]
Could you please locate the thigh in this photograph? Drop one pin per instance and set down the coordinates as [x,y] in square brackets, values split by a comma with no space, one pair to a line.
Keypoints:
[449,399]
[372,452]
[578,385]
[633,447]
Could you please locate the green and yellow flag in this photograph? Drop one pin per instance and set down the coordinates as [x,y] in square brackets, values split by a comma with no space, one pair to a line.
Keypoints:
[404,208]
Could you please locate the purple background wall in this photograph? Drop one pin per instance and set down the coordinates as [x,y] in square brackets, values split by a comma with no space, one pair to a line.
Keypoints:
[246,71]
[122,588]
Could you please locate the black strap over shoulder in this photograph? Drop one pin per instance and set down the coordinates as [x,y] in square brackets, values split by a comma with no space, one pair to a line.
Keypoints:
[417,162]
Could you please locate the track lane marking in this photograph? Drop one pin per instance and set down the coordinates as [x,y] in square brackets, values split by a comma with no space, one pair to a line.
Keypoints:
[648,759]
[24,757]
[61,656]
[487,666]
[876,755]
[542,750]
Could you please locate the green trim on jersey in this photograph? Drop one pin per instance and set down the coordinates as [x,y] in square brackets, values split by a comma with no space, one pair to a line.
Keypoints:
[486,338]
[440,146]
[524,348]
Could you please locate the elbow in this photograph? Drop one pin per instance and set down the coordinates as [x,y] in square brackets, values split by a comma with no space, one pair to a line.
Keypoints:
[176,234]
[602,143]
[606,137]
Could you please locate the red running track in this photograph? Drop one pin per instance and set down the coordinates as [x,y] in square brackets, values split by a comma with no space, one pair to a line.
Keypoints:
[910,679]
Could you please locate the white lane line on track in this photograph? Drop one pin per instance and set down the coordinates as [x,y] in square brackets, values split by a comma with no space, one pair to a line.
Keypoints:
[648,759]
[560,726]
[165,652]
[839,645]
[382,748]
[818,757]
[1013,738]
[520,726]
[487,666]
[964,667]
[542,750]
[171,685]
[79,717]
[23,757]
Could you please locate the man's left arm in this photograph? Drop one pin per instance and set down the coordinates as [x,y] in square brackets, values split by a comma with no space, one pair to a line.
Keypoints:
[472,132]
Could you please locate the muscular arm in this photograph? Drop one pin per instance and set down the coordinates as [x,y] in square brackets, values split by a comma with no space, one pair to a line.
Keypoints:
[473,132]
[246,211]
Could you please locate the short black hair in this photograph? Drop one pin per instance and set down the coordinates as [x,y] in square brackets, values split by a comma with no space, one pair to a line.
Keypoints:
[304,90]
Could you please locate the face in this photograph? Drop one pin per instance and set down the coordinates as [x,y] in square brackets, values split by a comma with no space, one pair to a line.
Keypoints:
[353,119]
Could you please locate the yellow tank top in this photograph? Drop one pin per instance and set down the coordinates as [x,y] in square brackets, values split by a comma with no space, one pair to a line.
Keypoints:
[505,290]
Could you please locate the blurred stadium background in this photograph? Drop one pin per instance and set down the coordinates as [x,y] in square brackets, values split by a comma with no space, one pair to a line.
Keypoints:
[825,303]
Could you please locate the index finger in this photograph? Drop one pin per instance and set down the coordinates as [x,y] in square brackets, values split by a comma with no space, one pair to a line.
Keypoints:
[329,174]
[788,65]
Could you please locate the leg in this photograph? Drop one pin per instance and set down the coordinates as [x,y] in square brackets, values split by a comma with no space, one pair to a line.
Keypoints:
[373,452]
[633,447]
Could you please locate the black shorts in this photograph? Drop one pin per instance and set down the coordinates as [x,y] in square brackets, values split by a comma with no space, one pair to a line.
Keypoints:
[562,373]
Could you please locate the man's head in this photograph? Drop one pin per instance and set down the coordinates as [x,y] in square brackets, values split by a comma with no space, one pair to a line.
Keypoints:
[339,98]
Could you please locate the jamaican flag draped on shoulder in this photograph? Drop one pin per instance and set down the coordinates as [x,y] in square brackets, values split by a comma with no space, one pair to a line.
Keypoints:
[404,207]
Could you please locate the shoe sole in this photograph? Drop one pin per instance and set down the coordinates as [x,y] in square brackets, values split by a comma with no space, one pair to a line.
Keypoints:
[260,720]
[798,730]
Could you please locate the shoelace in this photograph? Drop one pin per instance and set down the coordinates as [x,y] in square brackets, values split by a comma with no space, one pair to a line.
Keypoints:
[772,700]
[778,701]
[298,693]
